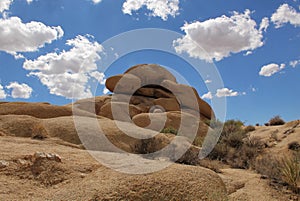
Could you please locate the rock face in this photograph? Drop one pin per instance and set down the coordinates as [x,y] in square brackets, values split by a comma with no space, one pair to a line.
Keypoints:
[81,177]
[153,81]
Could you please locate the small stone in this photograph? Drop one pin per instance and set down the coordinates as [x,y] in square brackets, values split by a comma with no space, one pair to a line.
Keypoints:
[4,164]
[22,162]
[264,177]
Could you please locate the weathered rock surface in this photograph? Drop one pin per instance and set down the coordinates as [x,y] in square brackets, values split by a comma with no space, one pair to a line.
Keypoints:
[81,177]
[153,81]
[38,110]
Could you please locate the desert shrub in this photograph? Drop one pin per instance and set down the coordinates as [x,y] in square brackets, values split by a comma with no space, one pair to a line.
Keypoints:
[291,172]
[243,157]
[39,132]
[249,128]
[232,126]
[235,139]
[268,165]
[169,130]
[267,124]
[275,121]
[234,148]
[254,141]
[257,124]
[219,152]
[295,146]
[198,141]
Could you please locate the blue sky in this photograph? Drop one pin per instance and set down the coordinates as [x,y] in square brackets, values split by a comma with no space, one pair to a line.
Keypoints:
[51,50]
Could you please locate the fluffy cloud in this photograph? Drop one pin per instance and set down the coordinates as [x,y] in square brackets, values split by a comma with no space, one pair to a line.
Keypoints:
[5,4]
[271,69]
[208,95]
[264,24]
[29,1]
[16,36]
[19,90]
[68,72]
[294,63]
[158,8]
[225,92]
[2,92]
[285,14]
[218,38]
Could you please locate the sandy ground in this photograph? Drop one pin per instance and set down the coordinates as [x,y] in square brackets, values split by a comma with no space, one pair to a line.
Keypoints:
[246,185]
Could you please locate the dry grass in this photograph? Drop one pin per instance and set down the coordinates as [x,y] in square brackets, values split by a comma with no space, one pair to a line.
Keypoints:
[291,172]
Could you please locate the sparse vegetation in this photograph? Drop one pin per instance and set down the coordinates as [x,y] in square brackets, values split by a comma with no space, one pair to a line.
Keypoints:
[250,128]
[169,130]
[268,165]
[276,121]
[281,169]
[234,148]
[295,146]
[291,172]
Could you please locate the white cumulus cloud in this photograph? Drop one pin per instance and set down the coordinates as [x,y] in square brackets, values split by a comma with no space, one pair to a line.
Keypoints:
[19,90]
[16,36]
[225,92]
[67,73]
[208,95]
[285,14]
[264,24]
[219,37]
[5,4]
[158,8]
[271,69]
[2,92]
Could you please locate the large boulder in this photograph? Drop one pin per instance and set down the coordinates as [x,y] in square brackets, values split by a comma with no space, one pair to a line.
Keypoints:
[177,182]
[154,92]
[126,84]
[91,105]
[189,97]
[80,177]
[167,120]
[150,74]
[168,104]
[119,111]
[38,110]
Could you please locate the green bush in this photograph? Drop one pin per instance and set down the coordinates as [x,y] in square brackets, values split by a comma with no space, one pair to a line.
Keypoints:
[291,172]
[275,121]
[169,130]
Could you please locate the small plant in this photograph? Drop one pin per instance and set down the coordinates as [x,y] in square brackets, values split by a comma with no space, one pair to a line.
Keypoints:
[39,132]
[276,121]
[169,130]
[257,124]
[291,172]
[269,165]
[295,146]
[249,128]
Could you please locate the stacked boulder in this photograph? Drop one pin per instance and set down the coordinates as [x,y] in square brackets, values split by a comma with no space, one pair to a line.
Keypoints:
[148,94]
[155,86]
